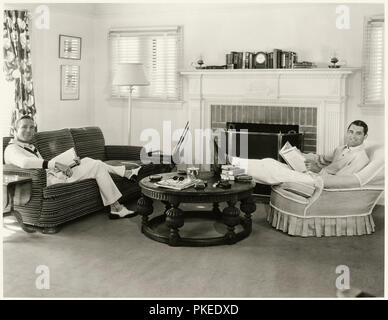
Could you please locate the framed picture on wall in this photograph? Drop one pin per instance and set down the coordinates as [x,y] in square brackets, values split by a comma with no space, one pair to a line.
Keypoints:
[69,47]
[70,85]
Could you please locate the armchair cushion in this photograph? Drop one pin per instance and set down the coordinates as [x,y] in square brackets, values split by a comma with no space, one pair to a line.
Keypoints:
[301,189]
[123,152]
[89,142]
[53,143]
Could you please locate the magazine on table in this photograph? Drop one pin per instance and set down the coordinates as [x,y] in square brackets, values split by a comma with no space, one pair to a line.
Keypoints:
[175,184]
[293,157]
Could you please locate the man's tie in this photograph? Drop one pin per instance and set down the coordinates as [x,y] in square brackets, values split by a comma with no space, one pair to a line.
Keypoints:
[32,149]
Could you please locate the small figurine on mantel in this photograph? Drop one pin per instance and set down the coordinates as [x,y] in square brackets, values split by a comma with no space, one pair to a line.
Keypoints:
[199,63]
[334,60]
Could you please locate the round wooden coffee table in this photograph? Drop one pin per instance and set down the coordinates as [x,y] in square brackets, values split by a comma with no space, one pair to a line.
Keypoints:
[174,217]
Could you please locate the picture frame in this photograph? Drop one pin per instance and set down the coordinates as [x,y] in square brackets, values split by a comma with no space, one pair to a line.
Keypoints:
[70,82]
[70,47]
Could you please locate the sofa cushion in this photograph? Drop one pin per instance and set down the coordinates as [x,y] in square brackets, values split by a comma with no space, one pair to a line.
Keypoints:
[52,143]
[89,142]
[298,188]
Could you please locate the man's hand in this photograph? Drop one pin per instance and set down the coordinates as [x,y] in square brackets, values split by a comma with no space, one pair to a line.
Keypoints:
[64,168]
[312,166]
[77,161]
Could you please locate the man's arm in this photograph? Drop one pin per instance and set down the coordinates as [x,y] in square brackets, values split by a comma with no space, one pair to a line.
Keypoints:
[316,162]
[14,155]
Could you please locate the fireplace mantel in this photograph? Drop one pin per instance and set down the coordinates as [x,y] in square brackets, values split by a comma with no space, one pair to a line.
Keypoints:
[324,89]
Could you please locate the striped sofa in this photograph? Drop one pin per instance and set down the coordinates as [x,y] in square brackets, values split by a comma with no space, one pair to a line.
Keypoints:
[51,206]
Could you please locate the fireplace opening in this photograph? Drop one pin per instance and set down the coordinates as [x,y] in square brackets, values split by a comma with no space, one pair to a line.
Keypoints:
[264,140]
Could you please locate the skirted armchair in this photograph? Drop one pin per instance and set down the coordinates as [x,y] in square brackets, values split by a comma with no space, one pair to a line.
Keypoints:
[342,208]
[51,206]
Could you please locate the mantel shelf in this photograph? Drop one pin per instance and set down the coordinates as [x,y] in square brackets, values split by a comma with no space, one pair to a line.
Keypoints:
[316,71]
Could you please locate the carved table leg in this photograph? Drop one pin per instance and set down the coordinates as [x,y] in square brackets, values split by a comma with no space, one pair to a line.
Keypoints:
[174,222]
[216,210]
[145,208]
[248,206]
[231,219]
[167,207]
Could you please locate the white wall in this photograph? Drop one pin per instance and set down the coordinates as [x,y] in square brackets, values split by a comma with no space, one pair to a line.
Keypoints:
[212,31]
[52,113]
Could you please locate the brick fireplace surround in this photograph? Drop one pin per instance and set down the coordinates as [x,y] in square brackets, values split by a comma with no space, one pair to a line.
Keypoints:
[315,99]
[306,118]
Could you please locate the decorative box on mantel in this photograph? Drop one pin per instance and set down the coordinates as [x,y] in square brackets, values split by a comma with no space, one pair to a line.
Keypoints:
[324,90]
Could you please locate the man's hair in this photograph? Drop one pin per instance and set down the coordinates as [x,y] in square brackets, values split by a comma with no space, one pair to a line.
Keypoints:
[360,123]
[23,117]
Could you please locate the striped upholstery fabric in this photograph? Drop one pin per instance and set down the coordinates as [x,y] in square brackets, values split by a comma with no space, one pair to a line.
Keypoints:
[89,142]
[64,202]
[5,144]
[123,152]
[52,143]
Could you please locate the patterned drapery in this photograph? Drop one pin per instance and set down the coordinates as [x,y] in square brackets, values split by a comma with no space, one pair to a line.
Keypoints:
[17,62]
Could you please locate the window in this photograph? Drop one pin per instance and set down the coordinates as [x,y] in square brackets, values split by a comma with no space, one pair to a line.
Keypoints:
[373,62]
[159,49]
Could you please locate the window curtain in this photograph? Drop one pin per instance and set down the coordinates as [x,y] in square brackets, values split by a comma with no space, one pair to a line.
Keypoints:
[17,63]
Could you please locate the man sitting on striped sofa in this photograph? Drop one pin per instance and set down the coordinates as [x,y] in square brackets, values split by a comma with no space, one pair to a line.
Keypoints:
[20,152]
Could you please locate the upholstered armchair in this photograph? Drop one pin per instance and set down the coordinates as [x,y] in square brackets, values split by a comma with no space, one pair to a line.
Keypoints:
[342,208]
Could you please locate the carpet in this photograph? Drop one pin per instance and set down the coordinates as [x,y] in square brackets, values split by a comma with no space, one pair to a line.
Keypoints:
[97,257]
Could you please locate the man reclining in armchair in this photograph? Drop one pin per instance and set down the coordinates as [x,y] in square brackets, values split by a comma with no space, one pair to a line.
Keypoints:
[20,152]
[346,161]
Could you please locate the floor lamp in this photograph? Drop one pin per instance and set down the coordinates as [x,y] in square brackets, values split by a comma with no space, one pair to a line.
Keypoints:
[130,74]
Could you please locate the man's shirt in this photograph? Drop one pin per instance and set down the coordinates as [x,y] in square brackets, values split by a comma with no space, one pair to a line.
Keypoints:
[344,160]
[24,155]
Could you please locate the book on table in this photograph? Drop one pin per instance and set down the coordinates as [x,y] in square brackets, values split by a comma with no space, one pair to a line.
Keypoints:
[233,171]
[175,184]
[293,157]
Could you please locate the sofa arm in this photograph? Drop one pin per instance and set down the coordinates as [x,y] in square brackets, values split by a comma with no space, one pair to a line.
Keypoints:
[70,189]
[38,176]
[123,152]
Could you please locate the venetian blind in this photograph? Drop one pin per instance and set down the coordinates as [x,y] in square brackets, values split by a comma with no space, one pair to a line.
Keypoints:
[373,62]
[159,50]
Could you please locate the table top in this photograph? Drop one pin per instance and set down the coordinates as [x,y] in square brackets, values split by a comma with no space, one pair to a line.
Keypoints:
[237,187]
[9,179]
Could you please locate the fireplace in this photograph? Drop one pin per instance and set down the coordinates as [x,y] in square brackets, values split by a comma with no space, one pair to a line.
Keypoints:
[314,99]
[269,119]
[264,140]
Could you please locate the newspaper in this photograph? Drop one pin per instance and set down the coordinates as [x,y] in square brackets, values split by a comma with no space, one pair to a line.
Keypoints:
[293,157]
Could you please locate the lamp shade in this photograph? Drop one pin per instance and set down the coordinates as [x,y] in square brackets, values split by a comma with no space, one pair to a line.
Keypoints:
[130,74]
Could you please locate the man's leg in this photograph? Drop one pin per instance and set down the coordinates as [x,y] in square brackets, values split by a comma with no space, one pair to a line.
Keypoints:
[119,170]
[270,171]
[96,169]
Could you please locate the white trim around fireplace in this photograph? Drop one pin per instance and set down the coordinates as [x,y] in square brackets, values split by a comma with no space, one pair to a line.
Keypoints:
[324,89]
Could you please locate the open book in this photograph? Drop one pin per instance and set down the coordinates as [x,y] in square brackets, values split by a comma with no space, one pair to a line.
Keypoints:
[67,157]
[293,157]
